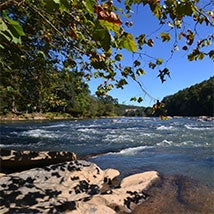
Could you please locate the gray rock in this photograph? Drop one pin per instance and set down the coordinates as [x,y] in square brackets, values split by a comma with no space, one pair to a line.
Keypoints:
[15,161]
[71,187]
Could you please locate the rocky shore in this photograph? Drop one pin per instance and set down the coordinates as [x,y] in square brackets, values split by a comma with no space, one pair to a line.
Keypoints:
[35,116]
[56,182]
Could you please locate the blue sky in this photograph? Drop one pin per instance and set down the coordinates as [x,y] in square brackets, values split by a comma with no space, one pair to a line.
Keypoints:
[183,73]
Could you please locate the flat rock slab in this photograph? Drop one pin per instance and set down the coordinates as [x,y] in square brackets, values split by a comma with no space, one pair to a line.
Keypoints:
[15,161]
[72,187]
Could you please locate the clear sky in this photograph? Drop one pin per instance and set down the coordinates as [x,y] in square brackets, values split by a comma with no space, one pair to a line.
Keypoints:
[183,73]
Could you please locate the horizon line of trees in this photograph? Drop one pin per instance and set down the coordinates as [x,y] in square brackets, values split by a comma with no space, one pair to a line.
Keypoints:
[66,92]
[196,100]
[51,91]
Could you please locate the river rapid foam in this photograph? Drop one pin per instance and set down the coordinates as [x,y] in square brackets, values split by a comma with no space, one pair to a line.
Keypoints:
[177,146]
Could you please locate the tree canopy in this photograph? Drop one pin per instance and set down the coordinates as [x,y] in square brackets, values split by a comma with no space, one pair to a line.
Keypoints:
[43,41]
[194,101]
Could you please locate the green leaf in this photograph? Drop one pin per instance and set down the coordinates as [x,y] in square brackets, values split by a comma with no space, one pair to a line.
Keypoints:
[119,57]
[141,39]
[6,35]
[127,41]
[140,71]
[3,26]
[157,10]
[201,55]
[109,87]
[51,5]
[89,5]
[165,37]
[57,1]
[133,99]
[152,65]
[121,83]
[140,99]
[64,6]
[10,88]
[13,31]
[185,8]
[98,65]
[163,73]
[159,61]
[102,35]
[137,63]
[150,42]
[109,26]
[127,71]
[17,40]
[16,26]
[192,57]
[190,37]
[211,54]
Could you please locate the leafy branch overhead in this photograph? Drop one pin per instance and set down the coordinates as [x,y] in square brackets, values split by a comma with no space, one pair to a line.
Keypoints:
[88,36]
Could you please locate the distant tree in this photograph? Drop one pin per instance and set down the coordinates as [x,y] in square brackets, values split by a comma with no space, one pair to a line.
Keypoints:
[194,101]
[107,106]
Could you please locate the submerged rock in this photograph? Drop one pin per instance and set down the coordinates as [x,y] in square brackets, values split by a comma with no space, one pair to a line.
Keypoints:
[72,187]
[178,194]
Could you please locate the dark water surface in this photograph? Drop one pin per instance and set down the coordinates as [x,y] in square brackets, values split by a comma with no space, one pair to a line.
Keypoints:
[183,146]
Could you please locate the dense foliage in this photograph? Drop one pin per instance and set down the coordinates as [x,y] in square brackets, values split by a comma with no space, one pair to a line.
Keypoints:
[194,101]
[49,91]
[51,48]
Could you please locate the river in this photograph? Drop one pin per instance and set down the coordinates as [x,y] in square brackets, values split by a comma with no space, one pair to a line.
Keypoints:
[180,146]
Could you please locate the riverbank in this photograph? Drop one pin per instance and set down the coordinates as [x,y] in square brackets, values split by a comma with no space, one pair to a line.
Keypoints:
[46,116]
[65,116]
[74,186]
[36,116]
[78,186]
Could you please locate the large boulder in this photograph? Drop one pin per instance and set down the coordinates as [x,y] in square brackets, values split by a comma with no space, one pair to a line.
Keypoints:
[121,199]
[72,187]
[15,161]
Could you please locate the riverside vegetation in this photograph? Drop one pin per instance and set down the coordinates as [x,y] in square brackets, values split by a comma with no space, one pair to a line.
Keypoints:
[79,103]
[193,101]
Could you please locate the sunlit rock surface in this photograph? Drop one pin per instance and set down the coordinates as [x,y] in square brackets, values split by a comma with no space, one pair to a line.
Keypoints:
[72,187]
[14,161]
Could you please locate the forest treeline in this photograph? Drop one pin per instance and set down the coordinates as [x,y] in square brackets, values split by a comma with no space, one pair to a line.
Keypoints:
[51,49]
[196,100]
[43,91]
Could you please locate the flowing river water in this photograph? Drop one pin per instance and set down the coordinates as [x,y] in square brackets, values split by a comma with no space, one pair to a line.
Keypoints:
[180,149]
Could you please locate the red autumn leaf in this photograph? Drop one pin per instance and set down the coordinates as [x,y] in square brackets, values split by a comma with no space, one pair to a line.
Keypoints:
[103,14]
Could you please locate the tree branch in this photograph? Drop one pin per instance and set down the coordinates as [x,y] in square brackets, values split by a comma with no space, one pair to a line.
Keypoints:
[52,26]
[5,5]
[144,90]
